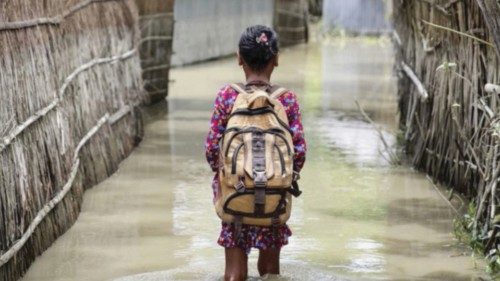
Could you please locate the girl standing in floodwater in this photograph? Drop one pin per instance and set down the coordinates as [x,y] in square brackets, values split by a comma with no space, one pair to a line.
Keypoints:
[258,56]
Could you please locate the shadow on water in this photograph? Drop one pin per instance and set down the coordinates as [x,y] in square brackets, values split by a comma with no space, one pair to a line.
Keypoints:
[358,219]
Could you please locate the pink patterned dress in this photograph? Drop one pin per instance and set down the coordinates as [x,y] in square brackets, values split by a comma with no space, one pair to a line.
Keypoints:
[251,236]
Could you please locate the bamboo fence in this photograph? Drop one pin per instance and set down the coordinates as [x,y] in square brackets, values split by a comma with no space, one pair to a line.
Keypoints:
[291,21]
[157,26]
[449,72]
[315,7]
[70,85]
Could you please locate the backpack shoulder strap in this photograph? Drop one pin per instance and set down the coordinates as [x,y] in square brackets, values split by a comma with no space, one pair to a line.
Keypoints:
[276,93]
[240,88]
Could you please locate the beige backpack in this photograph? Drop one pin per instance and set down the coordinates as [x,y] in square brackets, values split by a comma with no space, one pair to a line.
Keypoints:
[256,155]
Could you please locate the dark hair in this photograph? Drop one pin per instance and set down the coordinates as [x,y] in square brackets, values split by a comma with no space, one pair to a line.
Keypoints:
[258,46]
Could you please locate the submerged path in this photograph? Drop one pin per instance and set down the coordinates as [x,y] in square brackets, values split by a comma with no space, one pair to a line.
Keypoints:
[358,218]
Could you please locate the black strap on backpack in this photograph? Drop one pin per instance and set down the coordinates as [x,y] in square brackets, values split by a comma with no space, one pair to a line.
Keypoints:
[249,87]
[259,171]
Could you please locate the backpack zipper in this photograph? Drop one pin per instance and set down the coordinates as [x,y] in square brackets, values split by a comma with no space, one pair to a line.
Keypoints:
[262,110]
[275,131]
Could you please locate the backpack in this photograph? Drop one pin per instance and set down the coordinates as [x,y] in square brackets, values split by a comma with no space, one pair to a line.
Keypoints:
[256,161]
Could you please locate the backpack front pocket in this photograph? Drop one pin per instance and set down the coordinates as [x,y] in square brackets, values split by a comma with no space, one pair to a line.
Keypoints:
[243,203]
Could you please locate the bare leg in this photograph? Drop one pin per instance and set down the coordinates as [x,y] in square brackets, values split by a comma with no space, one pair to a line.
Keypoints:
[236,264]
[269,261]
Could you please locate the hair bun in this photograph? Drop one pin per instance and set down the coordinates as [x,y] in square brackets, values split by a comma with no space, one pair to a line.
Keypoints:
[258,45]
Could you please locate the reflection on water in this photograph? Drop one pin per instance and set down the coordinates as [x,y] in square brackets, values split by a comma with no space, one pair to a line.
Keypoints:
[368,260]
[357,139]
[358,218]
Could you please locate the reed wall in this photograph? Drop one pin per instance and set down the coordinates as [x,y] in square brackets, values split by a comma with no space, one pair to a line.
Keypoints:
[70,84]
[157,27]
[447,54]
[291,19]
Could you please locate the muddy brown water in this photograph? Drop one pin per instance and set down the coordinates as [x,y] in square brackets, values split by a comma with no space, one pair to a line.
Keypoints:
[358,219]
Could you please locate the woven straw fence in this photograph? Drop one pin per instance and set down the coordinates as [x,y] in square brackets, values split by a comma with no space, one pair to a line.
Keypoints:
[449,66]
[70,83]
[157,27]
[291,21]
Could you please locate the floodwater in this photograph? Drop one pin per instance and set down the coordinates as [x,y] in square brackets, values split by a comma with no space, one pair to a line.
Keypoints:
[358,218]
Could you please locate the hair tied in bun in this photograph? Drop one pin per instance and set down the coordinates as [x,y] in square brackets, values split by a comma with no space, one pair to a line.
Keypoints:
[258,45]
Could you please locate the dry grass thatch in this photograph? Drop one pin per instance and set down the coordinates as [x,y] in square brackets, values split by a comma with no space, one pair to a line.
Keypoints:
[157,26]
[290,21]
[449,64]
[70,83]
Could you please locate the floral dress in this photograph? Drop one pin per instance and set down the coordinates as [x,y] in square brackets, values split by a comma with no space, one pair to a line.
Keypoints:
[251,236]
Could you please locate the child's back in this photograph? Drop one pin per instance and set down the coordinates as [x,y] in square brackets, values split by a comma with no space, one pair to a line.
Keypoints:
[258,55]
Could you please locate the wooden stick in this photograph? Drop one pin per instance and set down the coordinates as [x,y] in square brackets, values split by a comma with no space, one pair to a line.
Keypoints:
[290,13]
[494,188]
[397,38]
[394,158]
[487,87]
[467,142]
[486,108]
[155,16]
[486,192]
[420,86]
[291,29]
[442,196]
[90,64]
[6,141]
[65,189]
[154,38]
[459,33]
[55,20]
[40,216]
[90,134]
[158,67]
[120,114]
[461,163]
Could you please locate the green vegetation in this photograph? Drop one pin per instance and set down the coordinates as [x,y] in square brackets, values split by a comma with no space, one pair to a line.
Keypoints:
[466,231]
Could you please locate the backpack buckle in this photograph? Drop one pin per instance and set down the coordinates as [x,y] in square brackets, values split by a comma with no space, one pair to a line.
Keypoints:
[260,179]
[240,186]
